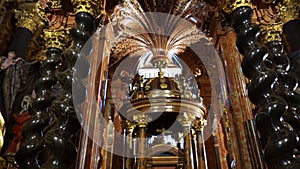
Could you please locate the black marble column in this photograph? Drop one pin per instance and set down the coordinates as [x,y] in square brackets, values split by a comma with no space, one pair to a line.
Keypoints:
[264,90]
[33,129]
[63,149]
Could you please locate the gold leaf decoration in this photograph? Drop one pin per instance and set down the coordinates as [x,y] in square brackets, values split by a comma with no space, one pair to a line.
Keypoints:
[153,33]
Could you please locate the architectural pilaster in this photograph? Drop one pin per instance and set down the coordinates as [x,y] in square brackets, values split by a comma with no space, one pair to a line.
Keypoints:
[186,120]
[201,154]
[241,106]
[142,121]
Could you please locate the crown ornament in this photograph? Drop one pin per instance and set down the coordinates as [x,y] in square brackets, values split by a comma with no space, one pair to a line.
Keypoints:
[230,5]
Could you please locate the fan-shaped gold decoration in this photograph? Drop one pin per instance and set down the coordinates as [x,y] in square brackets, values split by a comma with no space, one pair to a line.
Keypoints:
[140,32]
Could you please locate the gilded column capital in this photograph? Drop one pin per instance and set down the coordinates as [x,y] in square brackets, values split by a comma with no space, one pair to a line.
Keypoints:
[199,124]
[271,32]
[31,16]
[142,119]
[56,38]
[186,119]
[130,126]
[288,10]
[90,6]
[230,5]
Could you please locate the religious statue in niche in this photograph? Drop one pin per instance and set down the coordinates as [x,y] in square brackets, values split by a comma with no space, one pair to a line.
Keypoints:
[19,75]
[6,62]
[17,72]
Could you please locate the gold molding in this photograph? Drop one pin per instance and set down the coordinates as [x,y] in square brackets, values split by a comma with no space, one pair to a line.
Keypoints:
[56,39]
[31,16]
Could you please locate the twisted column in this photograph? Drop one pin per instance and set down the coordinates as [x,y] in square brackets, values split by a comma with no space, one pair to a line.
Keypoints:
[63,151]
[287,84]
[30,18]
[263,88]
[52,140]
[289,79]
[32,132]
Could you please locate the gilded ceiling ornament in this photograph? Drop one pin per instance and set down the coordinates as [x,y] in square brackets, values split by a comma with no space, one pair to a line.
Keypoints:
[289,10]
[141,32]
[230,5]
[181,8]
[89,6]
[56,39]
[31,16]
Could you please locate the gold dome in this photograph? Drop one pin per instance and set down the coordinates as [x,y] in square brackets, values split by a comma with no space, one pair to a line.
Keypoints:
[163,95]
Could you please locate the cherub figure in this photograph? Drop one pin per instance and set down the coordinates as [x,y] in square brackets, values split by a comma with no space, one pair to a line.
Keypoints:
[9,61]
